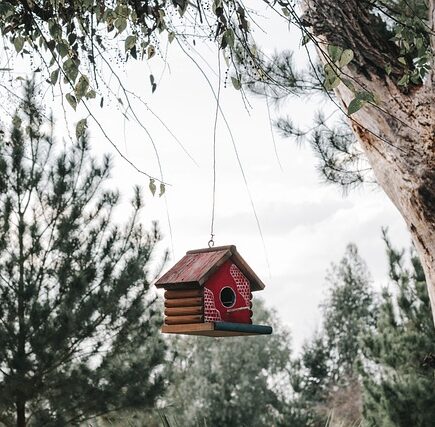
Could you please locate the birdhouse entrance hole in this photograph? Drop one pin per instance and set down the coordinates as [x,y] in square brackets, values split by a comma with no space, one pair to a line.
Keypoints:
[228,297]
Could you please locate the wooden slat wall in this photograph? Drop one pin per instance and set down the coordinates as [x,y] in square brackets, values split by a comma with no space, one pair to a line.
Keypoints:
[184,293]
[184,306]
[182,311]
[178,320]
[183,302]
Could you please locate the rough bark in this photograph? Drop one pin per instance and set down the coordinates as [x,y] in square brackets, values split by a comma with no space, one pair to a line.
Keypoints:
[398,136]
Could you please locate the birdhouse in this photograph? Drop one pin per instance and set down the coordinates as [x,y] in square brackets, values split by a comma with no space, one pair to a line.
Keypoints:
[209,292]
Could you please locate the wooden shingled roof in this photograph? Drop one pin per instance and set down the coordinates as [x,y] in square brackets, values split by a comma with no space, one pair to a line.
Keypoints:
[197,266]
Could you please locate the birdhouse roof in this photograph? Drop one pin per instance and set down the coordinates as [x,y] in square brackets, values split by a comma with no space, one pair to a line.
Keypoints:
[197,266]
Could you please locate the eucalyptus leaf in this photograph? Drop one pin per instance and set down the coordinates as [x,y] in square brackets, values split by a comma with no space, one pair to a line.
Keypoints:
[81,87]
[152,186]
[236,83]
[130,41]
[335,52]
[81,128]
[151,51]
[54,76]
[305,39]
[404,80]
[346,57]
[355,105]
[18,43]
[62,49]
[71,70]
[72,100]
[332,82]
[120,24]
[229,37]
[162,189]
[91,94]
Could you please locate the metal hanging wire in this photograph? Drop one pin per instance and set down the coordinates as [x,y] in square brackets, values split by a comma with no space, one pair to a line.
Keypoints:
[212,234]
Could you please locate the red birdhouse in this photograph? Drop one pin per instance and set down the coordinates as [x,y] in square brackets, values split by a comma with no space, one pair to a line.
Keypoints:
[209,292]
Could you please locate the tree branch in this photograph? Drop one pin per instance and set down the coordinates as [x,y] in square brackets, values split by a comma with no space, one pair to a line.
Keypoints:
[351,25]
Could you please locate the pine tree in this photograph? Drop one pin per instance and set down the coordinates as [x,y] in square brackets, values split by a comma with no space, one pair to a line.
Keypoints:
[327,380]
[240,381]
[77,326]
[348,312]
[310,379]
[399,382]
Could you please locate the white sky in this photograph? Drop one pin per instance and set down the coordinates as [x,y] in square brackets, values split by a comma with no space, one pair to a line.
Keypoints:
[306,224]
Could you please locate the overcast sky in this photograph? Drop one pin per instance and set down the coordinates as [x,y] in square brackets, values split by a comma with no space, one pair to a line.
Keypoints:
[306,224]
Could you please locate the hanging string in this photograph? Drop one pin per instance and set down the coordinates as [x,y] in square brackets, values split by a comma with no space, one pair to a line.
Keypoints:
[211,241]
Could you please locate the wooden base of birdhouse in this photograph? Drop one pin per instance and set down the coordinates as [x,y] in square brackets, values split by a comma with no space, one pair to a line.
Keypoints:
[217,329]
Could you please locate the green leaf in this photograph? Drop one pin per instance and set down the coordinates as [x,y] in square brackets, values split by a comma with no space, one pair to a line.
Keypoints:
[162,189]
[19,43]
[229,37]
[72,100]
[285,11]
[16,121]
[404,80]
[54,76]
[346,57]
[152,186]
[91,94]
[130,41]
[151,51]
[388,69]
[349,84]
[330,71]
[305,39]
[332,79]
[81,128]
[171,36]
[236,83]
[402,60]
[355,105]
[365,96]
[120,24]
[62,48]
[217,7]
[71,69]
[332,82]
[153,83]
[335,52]
[55,29]
[81,87]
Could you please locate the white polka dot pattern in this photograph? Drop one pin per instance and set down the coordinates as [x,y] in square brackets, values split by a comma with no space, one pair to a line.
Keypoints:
[242,284]
[211,314]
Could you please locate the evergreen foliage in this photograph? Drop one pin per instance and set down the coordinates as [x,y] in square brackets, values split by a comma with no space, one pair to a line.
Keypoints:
[399,380]
[405,57]
[326,377]
[348,313]
[373,359]
[238,381]
[78,329]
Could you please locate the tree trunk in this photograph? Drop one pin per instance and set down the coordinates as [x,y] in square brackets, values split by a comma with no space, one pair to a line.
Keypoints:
[398,135]
[21,414]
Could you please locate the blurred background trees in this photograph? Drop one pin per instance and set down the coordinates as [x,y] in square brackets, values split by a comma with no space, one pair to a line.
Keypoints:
[78,326]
